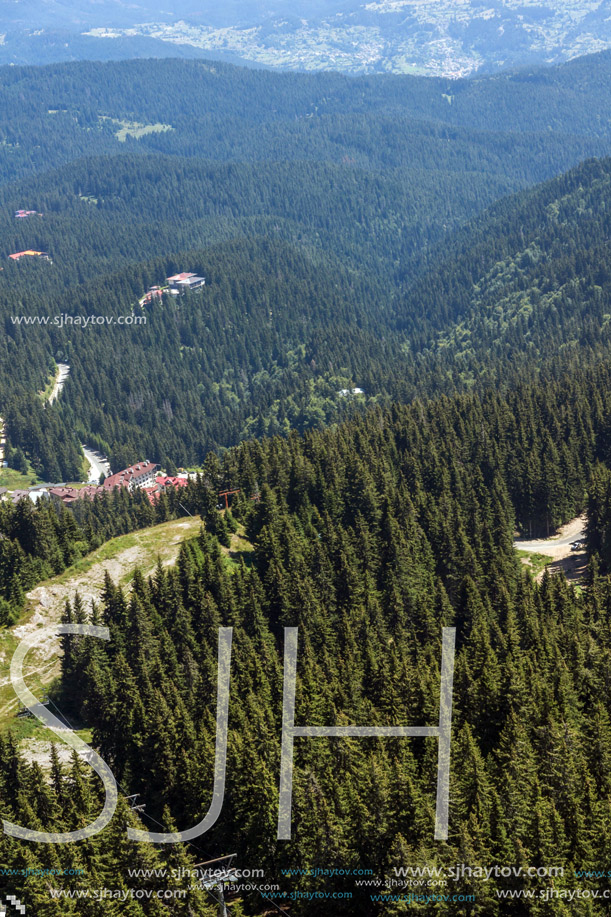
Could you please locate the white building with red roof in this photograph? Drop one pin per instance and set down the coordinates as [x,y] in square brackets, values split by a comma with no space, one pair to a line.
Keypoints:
[139,475]
[178,283]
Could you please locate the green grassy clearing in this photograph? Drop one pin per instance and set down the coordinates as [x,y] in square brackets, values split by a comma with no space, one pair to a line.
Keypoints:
[152,541]
[241,549]
[136,129]
[122,554]
[15,480]
[535,562]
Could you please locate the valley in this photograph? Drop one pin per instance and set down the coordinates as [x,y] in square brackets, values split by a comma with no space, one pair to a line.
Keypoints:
[362,426]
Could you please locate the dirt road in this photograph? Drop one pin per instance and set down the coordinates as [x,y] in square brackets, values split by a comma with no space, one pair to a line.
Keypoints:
[63,371]
[558,546]
[563,559]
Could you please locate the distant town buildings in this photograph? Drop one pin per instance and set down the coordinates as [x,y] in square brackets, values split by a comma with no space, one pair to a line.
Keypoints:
[140,476]
[23,214]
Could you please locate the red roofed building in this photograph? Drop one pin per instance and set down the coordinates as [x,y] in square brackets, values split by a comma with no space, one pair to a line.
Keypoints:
[30,254]
[152,493]
[141,474]
[180,282]
[176,278]
[68,495]
[153,293]
[65,495]
[166,481]
[162,482]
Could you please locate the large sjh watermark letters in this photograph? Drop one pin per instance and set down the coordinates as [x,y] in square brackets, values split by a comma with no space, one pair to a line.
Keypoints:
[220,754]
[442,731]
[66,735]
[289,733]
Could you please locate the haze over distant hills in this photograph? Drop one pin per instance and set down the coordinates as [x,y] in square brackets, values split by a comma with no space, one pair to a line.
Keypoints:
[322,211]
[433,37]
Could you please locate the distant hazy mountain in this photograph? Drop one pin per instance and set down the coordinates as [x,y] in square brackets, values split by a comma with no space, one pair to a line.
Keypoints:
[436,37]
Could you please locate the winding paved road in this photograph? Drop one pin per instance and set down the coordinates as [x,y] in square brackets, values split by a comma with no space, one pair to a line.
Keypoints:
[558,546]
[98,464]
[63,371]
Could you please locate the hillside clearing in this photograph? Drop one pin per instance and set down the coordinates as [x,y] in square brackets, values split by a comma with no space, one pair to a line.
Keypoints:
[45,603]
[136,129]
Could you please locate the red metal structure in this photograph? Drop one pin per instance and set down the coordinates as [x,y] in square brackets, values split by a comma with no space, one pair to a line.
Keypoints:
[226,494]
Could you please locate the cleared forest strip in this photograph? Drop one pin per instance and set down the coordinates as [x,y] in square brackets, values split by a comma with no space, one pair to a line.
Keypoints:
[45,603]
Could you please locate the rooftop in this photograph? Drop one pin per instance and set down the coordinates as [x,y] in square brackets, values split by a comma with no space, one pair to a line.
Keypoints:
[30,252]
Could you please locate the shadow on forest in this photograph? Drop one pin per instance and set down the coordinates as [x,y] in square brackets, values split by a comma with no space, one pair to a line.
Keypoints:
[574,567]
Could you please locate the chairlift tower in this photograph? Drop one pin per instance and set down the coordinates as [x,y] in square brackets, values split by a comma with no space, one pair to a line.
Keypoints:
[215,884]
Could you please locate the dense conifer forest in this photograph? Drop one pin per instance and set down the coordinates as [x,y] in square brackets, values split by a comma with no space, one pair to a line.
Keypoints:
[311,304]
[400,359]
[370,538]
[40,541]
[327,195]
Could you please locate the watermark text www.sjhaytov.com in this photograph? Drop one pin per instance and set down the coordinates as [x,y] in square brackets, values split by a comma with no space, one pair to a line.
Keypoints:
[194,873]
[101,894]
[40,871]
[78,321]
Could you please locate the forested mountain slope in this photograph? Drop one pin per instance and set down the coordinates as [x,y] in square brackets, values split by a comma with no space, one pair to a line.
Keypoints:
[314,263]
[58,113]
[366,259]
[100,213]
[370,538]
[526,288]
[268,320]
[349,285]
